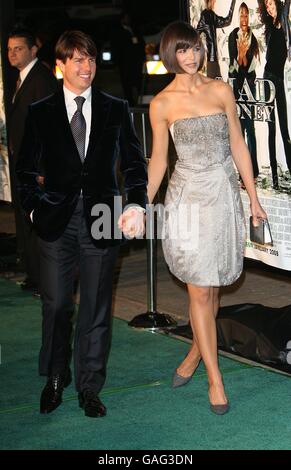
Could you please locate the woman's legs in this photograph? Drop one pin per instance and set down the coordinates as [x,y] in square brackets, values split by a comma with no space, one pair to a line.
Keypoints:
[204,303]
[191,361]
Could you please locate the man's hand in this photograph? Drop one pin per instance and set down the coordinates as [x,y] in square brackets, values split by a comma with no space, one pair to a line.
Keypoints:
[131,222]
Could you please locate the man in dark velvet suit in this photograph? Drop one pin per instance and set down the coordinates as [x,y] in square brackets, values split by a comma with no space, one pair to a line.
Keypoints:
[76,136]
[35,81]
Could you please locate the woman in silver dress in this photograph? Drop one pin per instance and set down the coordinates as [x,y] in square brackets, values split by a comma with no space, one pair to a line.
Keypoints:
[204,229]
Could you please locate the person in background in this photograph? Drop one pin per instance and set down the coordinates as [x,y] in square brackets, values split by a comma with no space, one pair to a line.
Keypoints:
[243,56]
[35,81]
[128,48]
[275,17]
[208,23]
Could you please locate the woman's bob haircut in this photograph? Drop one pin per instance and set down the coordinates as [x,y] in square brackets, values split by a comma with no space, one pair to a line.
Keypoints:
[179,35]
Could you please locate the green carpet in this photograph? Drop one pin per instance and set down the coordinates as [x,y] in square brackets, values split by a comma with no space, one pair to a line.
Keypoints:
[143,411]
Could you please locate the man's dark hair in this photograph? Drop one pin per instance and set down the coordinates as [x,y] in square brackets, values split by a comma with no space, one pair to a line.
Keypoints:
[74,40]
[21,32]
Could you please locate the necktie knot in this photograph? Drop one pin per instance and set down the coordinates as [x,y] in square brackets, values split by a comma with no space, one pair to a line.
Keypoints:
[80,100]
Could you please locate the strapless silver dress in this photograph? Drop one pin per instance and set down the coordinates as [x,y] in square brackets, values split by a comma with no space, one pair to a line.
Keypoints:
[203,234]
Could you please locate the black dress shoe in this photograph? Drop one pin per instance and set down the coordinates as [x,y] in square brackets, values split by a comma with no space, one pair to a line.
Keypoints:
[51,396]
[91,403]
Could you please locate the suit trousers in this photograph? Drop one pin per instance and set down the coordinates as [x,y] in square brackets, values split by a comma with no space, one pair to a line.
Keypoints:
[58,263]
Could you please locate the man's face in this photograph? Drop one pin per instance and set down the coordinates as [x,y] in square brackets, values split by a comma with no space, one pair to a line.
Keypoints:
[78,72]
[244,19]
[19,54]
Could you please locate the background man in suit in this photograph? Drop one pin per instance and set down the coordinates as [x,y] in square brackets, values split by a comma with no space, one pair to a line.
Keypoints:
[35,82]
[76,136]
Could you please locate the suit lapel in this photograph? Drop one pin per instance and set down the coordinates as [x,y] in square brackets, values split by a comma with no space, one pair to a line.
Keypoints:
[25,83]
[100,113]
[62,125]
[99,117]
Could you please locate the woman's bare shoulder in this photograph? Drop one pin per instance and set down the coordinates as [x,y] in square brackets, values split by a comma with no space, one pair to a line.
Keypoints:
[219,86]
[162,100]
[206,80]
[220,91]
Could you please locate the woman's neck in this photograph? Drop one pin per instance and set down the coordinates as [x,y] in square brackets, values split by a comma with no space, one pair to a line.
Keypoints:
[186,82]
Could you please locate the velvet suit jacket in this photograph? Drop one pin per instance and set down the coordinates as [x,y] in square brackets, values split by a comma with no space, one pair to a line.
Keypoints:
[49,144]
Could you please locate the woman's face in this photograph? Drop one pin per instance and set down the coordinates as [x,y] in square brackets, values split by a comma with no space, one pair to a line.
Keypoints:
[189,59]
[271,8]
[244,19]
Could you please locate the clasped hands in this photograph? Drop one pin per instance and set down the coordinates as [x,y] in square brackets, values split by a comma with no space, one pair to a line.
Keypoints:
[242,48]
[131,222]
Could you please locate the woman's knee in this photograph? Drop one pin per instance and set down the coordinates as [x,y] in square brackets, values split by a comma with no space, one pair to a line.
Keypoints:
[216,294]
[200,295]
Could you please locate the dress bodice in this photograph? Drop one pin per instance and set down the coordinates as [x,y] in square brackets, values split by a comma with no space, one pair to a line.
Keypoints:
[203,231]
[201,142]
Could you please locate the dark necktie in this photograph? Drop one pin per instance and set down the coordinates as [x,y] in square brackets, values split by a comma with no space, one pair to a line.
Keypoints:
[78,126]
[18,83]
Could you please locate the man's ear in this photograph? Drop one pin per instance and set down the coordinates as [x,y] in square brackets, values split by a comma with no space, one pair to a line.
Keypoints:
[34,50]
[60,64]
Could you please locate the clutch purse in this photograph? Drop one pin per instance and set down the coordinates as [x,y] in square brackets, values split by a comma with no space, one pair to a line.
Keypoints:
[261,234]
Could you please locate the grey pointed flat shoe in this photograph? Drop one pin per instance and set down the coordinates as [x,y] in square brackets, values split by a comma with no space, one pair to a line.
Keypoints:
[220,409]
[179,380]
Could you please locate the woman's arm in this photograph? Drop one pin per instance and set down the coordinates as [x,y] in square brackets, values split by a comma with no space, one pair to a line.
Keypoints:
[159,156]
[240,150]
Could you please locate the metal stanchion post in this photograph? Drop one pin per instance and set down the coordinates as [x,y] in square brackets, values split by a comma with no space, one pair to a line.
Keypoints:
[151,319]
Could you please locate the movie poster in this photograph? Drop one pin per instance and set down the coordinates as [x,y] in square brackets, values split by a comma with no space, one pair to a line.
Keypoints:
[249,45]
